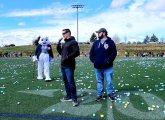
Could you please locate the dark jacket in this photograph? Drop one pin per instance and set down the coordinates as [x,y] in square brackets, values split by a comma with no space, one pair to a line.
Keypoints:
[103,55]
[68,51]
[39,50]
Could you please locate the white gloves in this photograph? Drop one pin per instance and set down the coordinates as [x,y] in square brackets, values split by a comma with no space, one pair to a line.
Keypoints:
[51,60]
[34,58]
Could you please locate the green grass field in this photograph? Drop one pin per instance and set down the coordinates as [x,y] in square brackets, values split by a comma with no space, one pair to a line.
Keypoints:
[139,84]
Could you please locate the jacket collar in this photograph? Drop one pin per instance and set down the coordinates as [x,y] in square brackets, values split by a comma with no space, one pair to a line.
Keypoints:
[71,38]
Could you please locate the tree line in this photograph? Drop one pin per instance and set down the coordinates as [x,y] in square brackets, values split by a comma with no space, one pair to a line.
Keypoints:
[148,39]
[116,38]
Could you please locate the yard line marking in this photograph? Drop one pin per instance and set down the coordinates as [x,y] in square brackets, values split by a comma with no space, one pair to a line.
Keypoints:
[42,117]
[47,93]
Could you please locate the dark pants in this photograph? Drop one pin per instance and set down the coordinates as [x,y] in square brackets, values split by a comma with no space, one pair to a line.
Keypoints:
[68,78]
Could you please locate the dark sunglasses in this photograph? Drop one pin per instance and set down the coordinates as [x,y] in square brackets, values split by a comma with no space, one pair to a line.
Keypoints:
[64,33]
[98,32]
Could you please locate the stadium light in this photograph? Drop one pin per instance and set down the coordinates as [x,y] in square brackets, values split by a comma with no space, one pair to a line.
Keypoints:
[77,7]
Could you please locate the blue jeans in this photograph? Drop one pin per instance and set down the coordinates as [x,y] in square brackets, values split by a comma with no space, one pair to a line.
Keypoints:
[101,75]
[68,78]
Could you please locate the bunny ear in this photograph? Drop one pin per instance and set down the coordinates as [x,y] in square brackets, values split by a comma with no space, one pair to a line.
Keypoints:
[40,40]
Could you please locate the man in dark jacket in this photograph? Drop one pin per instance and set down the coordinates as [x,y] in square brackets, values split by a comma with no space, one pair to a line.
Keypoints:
[102,55]
[68,51]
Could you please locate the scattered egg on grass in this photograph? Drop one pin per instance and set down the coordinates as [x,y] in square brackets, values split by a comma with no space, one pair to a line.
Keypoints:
[101,115]
[93,114]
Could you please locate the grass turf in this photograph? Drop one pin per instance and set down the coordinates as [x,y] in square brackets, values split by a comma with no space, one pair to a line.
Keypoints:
[145,75]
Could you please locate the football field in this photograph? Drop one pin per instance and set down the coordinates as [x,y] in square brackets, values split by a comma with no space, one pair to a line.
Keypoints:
[139,85]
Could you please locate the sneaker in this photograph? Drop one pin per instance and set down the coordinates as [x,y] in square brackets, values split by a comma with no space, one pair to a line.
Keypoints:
[99,98]
[111,97]
[75,103]
[66,98]
[39,78]
[48,79]
[104,96]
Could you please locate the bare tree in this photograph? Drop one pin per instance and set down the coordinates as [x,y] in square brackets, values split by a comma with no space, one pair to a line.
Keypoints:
[125,39]
[162,40]
[116,39]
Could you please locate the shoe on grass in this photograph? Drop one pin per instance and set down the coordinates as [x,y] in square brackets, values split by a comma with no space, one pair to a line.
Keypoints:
[66,98]
[39,78]
[111,97]
[75,103]
[99,98]
[48,79]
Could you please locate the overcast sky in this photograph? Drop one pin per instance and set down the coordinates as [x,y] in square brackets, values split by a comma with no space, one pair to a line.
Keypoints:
[21,21]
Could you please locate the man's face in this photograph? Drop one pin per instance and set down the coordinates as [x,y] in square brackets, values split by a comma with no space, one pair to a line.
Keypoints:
[100,35]
[65,34]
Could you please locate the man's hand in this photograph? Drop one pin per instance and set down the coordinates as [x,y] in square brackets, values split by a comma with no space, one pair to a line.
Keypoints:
[59,41]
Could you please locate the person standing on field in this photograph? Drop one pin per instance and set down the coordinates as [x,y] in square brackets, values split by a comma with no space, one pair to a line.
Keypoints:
[68,51]
[102,54]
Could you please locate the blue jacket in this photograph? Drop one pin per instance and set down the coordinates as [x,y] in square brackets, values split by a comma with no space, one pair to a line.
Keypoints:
[103,55]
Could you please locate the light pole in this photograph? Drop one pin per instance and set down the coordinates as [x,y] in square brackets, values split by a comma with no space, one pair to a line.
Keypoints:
[77,7]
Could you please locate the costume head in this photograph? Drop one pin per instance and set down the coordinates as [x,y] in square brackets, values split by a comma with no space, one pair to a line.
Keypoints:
[44,41]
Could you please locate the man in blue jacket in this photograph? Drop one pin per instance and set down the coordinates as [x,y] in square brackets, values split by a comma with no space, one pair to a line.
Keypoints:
[102,54]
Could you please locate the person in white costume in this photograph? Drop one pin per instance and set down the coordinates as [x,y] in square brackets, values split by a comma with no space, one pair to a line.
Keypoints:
[44,55]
